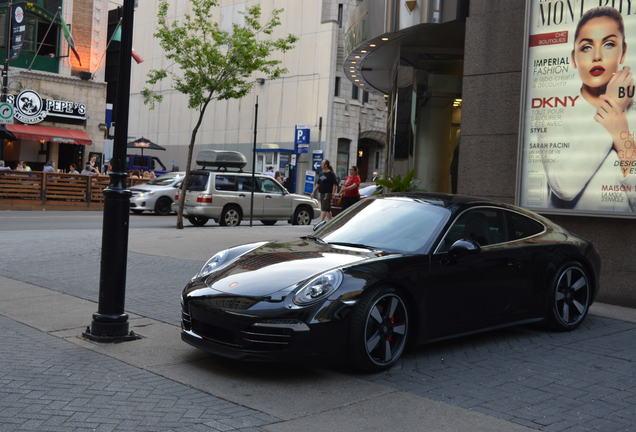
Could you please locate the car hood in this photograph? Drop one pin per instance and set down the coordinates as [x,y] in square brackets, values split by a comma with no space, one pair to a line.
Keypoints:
[300,197]
[276,266]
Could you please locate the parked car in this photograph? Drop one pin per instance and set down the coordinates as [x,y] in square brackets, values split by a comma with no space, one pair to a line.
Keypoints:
[156,195]
[217,192]
[400,268]
[365,189]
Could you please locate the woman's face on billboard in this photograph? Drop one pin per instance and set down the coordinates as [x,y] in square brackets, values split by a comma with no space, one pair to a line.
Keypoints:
[598,51]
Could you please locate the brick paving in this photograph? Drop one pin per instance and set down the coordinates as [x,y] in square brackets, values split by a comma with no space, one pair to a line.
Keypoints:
[50,385]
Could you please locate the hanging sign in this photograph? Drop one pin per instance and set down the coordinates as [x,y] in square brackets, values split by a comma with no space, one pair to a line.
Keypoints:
[18,27]
[31,108]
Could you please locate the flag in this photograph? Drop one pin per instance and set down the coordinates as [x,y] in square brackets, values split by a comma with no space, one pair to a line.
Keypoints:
[117,33]
[69,39]
[136,56]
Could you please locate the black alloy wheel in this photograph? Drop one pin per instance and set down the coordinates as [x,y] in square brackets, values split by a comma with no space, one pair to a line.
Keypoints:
[380,325]
[163,206]
[302,216]
[198,220]
[231,216]
[570,297]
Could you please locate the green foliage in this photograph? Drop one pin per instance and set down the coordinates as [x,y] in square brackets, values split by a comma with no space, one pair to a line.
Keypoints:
[208,63]
[397,183]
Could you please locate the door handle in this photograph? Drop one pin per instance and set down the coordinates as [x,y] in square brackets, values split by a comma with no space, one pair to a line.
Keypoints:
[268,196]
[241,195]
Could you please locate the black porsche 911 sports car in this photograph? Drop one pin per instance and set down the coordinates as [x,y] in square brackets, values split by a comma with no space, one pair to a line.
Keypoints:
[390,270]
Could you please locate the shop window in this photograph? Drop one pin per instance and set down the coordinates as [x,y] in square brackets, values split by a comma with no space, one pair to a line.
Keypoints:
[340,12]
[365,97]
[40,48]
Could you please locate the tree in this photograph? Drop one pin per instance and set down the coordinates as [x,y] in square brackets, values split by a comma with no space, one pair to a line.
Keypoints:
[212,64]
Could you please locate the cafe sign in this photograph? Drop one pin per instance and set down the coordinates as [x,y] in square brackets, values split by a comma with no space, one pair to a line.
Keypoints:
[31,108]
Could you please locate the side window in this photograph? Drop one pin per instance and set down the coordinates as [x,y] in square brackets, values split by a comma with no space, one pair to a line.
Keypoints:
[225,182]
[270,186]
[244,184]
[520,226]
[482,225]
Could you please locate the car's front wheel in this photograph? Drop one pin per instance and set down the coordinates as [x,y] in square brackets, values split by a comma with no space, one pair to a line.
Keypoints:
[302,216]
[198,220]
[379,329]
[570,297]
[163,206]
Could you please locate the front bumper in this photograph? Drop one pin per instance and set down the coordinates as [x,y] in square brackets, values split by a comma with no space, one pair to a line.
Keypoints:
[265,331]
[142,202]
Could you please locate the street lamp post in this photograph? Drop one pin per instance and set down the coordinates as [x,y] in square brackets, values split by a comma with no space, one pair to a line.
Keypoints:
[110,323]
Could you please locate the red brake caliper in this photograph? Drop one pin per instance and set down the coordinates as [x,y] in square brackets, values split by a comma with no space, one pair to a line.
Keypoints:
[390,337]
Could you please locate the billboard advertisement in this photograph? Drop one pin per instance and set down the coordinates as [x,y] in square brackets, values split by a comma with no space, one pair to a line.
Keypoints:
[578,119]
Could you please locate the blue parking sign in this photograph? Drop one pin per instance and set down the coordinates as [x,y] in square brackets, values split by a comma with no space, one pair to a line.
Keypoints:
[301,139]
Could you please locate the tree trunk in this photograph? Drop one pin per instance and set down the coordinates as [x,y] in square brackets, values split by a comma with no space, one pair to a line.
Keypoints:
[186,179]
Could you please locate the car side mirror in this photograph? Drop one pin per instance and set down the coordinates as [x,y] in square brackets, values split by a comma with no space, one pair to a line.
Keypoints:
[463,247]
[319,225]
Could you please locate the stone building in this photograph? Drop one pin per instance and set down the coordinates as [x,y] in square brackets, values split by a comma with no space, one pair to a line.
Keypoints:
[466,80]
[59,100]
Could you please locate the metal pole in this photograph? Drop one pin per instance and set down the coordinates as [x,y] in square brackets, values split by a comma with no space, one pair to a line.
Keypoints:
[110,323]
[5,70]
[254,163]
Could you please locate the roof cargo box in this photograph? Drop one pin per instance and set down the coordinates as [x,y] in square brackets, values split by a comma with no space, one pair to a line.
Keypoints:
[221,159]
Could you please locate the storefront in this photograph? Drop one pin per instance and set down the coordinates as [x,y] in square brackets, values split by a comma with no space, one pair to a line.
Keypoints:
[55,118]
[529,133]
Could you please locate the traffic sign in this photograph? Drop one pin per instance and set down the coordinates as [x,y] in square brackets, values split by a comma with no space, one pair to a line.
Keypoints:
[6,113]
[317,160]
[301,139]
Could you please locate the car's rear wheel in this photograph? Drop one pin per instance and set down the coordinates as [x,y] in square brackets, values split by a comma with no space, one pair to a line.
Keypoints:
[302,216]
[379,329]
[268,222]
[163,206]
[570,297]
[198,220]
[231,216]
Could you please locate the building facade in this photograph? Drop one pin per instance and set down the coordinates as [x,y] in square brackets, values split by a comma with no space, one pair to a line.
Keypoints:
[348,128]
[58,98]
[472,90]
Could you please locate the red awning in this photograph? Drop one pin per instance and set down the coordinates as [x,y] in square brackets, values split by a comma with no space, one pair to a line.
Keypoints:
[53,134]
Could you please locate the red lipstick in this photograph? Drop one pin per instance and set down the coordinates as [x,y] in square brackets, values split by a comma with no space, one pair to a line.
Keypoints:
[597,71]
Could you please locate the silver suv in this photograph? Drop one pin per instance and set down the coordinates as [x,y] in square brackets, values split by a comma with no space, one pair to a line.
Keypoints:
[225,197]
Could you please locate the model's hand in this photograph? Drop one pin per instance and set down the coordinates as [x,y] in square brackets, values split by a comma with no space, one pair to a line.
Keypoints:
[621,84]
[612,117]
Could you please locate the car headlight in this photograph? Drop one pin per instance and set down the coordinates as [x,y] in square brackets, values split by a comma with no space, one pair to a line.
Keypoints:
[318,288]
[213,264]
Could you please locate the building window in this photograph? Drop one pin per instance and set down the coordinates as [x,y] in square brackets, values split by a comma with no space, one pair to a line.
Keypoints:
[337,90]
[365,96]
[377,160]
[342,162]
[340,15]
[354,92]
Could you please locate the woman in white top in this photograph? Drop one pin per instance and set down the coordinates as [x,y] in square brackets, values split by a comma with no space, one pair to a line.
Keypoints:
[596,172]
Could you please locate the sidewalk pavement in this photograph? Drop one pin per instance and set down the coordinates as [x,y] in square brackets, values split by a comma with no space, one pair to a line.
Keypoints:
[51,379]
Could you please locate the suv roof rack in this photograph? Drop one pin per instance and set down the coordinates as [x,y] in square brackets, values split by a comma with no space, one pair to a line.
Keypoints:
[221,160]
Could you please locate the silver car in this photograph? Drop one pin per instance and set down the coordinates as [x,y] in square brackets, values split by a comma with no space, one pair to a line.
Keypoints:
[225,198]
[156,195]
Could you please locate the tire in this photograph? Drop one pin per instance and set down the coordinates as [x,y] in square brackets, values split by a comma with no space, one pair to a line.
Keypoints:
[231,216]
[302,216]
[379,330]
[137,212]
[198,220]
[570,296]
[268,222]
[163,206]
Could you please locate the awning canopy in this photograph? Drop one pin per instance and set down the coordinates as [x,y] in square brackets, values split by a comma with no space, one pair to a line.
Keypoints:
[53,134]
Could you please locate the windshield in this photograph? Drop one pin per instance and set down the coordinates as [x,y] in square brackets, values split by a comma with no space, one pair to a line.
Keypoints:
[164,180]
[390,224]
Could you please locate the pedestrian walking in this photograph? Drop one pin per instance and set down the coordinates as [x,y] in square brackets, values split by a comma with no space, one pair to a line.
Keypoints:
[326,185]
[351,188]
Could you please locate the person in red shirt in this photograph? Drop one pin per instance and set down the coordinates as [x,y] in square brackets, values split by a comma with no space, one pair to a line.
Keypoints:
[350,188]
